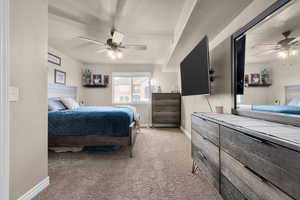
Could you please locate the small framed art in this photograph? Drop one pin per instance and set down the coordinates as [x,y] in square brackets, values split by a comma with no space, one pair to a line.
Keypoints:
[106,80]
[97,79]
[59,77]
[54,59]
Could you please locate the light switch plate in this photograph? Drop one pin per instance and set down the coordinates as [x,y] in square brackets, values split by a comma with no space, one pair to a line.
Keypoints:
[13,94]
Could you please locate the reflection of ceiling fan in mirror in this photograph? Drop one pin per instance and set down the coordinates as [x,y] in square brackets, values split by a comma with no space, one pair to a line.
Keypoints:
[284,48]
[114,46]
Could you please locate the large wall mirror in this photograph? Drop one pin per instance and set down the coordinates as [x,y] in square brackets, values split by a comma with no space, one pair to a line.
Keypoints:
[266,65]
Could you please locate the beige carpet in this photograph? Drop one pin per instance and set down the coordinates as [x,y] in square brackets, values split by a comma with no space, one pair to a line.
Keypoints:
[159,170]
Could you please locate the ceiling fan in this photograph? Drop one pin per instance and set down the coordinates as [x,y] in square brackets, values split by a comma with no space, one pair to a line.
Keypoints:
[113,45]
[284,48]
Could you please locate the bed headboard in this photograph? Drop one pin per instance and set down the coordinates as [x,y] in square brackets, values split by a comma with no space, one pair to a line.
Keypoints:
[291,91]
[55,90]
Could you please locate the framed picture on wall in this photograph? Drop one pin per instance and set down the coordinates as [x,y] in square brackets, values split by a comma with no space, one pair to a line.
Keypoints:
[54,59]
[59,77]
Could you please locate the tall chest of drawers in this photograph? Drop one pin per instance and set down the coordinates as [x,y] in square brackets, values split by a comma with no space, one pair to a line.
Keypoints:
[247,159]
[166,109]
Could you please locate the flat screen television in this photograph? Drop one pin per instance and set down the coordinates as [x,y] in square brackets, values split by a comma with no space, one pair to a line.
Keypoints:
[195,70]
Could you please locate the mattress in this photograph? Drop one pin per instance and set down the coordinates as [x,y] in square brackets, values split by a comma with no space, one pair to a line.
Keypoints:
[102,121]
[278,109]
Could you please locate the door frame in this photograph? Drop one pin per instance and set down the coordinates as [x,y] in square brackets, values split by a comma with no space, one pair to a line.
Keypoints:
[4,104]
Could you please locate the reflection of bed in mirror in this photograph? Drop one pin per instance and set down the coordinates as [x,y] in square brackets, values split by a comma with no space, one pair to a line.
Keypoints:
[292,106]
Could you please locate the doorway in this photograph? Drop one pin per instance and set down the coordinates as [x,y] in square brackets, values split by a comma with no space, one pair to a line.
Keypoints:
[4,118]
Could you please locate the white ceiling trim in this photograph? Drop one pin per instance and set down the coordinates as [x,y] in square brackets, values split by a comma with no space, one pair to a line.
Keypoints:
[183,19]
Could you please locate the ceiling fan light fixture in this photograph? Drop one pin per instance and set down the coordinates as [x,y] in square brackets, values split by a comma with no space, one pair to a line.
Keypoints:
[119,54]
[283,54]
[111,54]
[293,52]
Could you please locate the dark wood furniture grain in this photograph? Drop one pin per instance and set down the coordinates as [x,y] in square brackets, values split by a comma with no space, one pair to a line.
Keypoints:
[247,158]
[166,109]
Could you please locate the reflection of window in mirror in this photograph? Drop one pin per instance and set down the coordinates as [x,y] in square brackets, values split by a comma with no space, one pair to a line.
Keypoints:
[272,64]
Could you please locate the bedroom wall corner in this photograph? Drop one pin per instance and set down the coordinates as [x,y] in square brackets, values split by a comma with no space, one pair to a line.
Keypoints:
[28,115]
[69,65]
[168,80]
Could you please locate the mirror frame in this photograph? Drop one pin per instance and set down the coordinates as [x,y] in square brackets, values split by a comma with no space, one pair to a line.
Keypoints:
[269,116]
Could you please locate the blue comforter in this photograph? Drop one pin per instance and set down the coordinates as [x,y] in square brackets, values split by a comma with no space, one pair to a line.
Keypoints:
[105,121]
[278,109]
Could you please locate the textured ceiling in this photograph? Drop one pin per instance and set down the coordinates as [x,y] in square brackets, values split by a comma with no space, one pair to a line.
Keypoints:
[142,21]
[270,32]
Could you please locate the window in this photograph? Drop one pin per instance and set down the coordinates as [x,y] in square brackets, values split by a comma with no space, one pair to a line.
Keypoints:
[131,88]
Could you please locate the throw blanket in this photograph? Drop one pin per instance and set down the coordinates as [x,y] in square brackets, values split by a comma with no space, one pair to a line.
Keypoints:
[90,120]
[278,109]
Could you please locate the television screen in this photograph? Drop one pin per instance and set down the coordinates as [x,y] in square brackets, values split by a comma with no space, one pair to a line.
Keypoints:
[195,70]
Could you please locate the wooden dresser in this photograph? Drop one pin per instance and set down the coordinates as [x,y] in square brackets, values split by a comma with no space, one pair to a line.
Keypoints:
[166,109]
[247,159]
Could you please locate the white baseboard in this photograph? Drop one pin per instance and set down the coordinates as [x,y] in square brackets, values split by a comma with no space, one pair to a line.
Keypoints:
[185,132]
[35,190]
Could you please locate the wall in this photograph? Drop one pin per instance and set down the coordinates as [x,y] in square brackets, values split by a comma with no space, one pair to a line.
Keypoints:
[221,60]
[103,96]
[285,72]
[69,65]
[168,81]
[28,116]
[255,95]
[220,88]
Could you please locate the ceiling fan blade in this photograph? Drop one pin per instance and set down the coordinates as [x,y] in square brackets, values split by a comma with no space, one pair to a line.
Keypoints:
[296,43]
[134,46]
[265,46]
[91,40]
[101,50]
[269,51]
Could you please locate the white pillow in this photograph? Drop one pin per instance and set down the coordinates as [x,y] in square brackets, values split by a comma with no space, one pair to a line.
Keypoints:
[70,103]
[295,101]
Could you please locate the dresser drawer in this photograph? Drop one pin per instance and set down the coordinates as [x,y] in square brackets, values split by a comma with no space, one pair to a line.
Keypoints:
[165,117]
[166,102]
[206,156]
[247,182]
[165,96]
[165,108]
[207,129]
[276,164]
[229,191]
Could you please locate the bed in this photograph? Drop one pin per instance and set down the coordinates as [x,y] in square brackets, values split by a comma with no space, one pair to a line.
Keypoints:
[292,99]
[89,126]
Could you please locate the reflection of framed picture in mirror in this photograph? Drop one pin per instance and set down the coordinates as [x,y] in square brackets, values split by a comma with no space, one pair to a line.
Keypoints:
[106,79]
[97,79]
[59,77]
[255,79]
[246,79]
[54,59]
